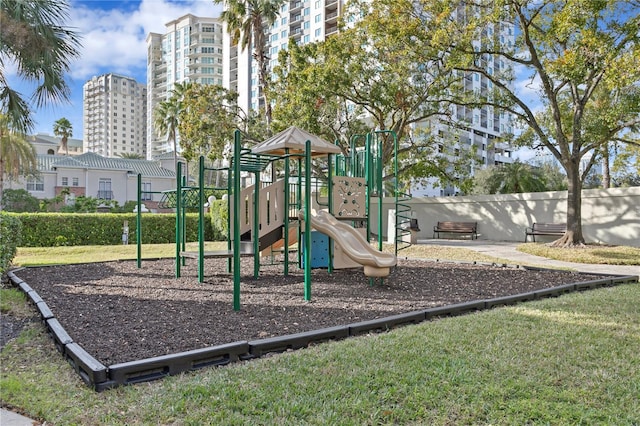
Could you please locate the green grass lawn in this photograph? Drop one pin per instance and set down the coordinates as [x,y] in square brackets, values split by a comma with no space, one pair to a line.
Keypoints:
[592,253]
[568,360]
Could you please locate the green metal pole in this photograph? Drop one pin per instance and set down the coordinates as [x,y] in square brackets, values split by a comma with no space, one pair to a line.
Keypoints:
[368,181]
[299,197]
[307,222]
[201,221]
[139,223]
[183,221]
[256,226]
[230,196]
[330,197]
[178,217]
[236,221]
[379,190]
[286,212]
[395,173]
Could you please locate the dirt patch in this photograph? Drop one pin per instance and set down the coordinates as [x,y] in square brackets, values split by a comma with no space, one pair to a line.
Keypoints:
[118,312]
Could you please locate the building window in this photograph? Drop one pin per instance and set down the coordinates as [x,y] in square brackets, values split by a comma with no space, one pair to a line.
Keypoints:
[75,181]
[317,18]
[104,189]
[146,191]
[35,184]
[65,181]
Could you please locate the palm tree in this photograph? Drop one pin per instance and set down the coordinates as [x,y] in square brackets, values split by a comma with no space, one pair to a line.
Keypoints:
[246,22]
[64,130]
[33,38]
[165,121]
[130,155]
[17,155]
[518,177]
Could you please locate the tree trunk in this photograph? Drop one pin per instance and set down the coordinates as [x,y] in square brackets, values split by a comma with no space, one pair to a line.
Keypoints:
[606,172]
[573,236]
[1,181]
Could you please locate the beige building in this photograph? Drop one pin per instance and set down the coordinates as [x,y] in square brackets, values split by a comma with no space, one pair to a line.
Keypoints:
[92,175]
[114,116]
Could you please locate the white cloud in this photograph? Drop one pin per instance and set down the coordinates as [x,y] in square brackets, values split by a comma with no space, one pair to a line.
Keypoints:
[115,40]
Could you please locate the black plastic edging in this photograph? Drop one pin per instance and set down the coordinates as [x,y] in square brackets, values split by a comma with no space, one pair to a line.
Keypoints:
[90,370]
[555,291]
[257,348]
[452,310]
[166,365]
[509,300]
[385,324]
[588,285]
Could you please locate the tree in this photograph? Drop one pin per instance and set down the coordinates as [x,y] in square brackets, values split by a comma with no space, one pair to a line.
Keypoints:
[389,73]
[247,23]
[208,116]
[17,155]
[19,200]
[131,155]
[571,49]
[165,121]
[64,130]
[510,178]
[32,36]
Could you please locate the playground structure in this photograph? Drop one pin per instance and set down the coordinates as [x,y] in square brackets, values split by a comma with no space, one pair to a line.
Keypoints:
[269,217]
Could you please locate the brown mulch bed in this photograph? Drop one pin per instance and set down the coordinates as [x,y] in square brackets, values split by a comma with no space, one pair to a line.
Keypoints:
[120,313]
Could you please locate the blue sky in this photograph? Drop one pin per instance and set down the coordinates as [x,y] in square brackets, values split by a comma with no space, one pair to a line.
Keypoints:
[113,38]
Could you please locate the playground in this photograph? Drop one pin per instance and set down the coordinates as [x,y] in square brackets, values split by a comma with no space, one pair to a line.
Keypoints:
[303,264]
[120,313]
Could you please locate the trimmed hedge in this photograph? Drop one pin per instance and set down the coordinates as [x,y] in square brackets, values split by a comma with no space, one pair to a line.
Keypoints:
[75,229]
[10,239]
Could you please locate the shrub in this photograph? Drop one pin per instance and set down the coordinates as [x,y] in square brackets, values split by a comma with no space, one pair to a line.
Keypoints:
[10,233]
[19,200]
[73,229]
[219,220]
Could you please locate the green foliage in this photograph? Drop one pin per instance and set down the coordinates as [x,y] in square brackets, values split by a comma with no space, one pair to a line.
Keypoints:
[219,211]
[19,200]
[82,204]
[68,229]
[513,178]
[35,40]
[10,239]
[206,120]
[401,82]
[64,130]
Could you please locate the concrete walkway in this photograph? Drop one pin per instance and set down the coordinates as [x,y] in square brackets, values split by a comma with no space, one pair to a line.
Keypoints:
[9,418]
[507,250]
[499,249]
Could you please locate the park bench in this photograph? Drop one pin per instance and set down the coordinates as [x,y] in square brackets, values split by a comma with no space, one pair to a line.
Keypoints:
[457,228]
[544,229]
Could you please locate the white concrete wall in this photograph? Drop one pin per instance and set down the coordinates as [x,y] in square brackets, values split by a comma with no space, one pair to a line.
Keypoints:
[609,216]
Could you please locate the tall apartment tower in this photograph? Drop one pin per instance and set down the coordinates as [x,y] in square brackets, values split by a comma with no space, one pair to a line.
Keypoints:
[305,21]
[189,50]
[114,116]
[309,21]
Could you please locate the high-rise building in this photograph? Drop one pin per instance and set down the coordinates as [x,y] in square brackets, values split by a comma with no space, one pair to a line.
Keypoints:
[304,21]
[309,21]
[189,51]
[114,116]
